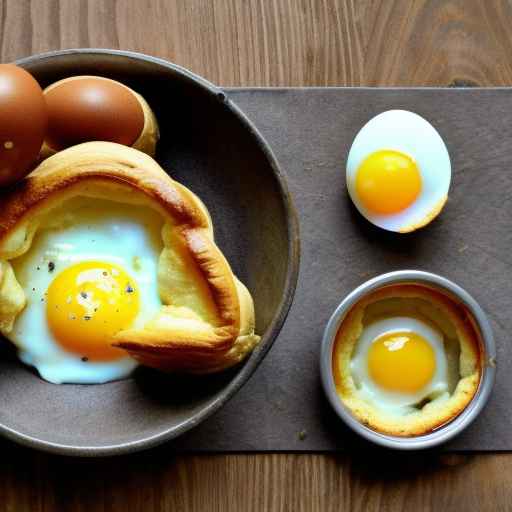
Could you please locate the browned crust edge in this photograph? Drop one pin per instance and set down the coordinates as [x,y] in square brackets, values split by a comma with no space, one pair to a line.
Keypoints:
[40,188]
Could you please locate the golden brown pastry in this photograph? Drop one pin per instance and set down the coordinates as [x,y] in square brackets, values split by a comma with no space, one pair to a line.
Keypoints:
[460,347]
[206,322]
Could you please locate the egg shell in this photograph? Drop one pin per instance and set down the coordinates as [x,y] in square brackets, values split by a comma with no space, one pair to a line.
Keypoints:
[411,134]
[23,122]
[90,108]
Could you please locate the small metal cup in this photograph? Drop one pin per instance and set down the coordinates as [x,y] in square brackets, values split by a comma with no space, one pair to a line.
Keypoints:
[488,350]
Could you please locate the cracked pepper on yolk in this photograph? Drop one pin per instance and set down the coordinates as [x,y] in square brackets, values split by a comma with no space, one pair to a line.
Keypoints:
[87,304]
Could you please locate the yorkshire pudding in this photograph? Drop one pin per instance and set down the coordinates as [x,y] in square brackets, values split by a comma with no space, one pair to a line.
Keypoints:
[206,322]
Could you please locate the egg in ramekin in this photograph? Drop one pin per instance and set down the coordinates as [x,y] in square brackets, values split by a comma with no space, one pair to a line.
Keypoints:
[406,360]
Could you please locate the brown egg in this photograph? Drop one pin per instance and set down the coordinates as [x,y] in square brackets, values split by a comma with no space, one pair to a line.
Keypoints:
[23,121]
[90,108]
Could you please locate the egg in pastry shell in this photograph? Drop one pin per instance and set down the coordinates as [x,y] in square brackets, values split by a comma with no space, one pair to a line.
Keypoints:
[206,319]
[456,357]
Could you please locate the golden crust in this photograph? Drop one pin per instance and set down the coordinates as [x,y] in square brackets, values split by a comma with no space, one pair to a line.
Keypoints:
[207,320]
[435,413]
[14,297]
[149,136]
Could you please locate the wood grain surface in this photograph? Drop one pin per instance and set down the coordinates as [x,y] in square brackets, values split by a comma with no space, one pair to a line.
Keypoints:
[270,43]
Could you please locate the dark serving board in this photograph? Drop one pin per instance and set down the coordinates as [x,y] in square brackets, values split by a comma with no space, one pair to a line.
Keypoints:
[283,406]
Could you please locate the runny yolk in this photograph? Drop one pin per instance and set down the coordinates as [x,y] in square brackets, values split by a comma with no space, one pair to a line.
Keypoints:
[388,182]
[87,304]
[401,361]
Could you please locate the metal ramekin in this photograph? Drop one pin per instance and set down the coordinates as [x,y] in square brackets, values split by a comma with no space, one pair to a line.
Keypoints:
[481,323]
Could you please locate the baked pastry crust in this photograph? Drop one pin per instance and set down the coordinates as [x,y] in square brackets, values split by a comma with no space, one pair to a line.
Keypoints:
[149,135]
[207,320]
[435,413]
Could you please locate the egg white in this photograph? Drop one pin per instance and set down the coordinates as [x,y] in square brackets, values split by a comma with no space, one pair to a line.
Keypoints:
[408,133]
[390,400]
[96,230]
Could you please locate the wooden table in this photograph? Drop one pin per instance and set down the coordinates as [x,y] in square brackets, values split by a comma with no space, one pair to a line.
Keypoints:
[269,43]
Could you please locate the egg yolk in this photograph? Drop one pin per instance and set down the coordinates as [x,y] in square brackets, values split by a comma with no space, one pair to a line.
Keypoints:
[87,304]
[388,182]
[401,361]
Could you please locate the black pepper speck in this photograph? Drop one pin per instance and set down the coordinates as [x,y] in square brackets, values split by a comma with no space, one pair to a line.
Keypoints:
[51,266]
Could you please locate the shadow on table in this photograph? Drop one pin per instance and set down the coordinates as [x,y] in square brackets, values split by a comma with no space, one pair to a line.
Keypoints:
[194,388]
[395,247]
[371,462]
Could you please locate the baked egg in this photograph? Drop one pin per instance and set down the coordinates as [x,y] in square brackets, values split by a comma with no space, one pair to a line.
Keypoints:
[406,360]
[91,272]
[106,262]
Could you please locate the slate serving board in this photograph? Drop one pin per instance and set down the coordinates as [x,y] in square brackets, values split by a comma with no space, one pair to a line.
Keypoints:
[310,131]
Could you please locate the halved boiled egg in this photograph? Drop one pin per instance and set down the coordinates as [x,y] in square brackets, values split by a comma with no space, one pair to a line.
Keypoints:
[398,171]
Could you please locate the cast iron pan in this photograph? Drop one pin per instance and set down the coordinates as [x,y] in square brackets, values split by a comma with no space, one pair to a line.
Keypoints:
[210,146]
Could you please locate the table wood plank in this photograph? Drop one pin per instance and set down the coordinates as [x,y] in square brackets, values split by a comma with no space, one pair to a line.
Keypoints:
[282,42]
[270,43]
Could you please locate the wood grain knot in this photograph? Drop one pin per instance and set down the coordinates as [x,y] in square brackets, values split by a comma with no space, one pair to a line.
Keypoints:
[462,82]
